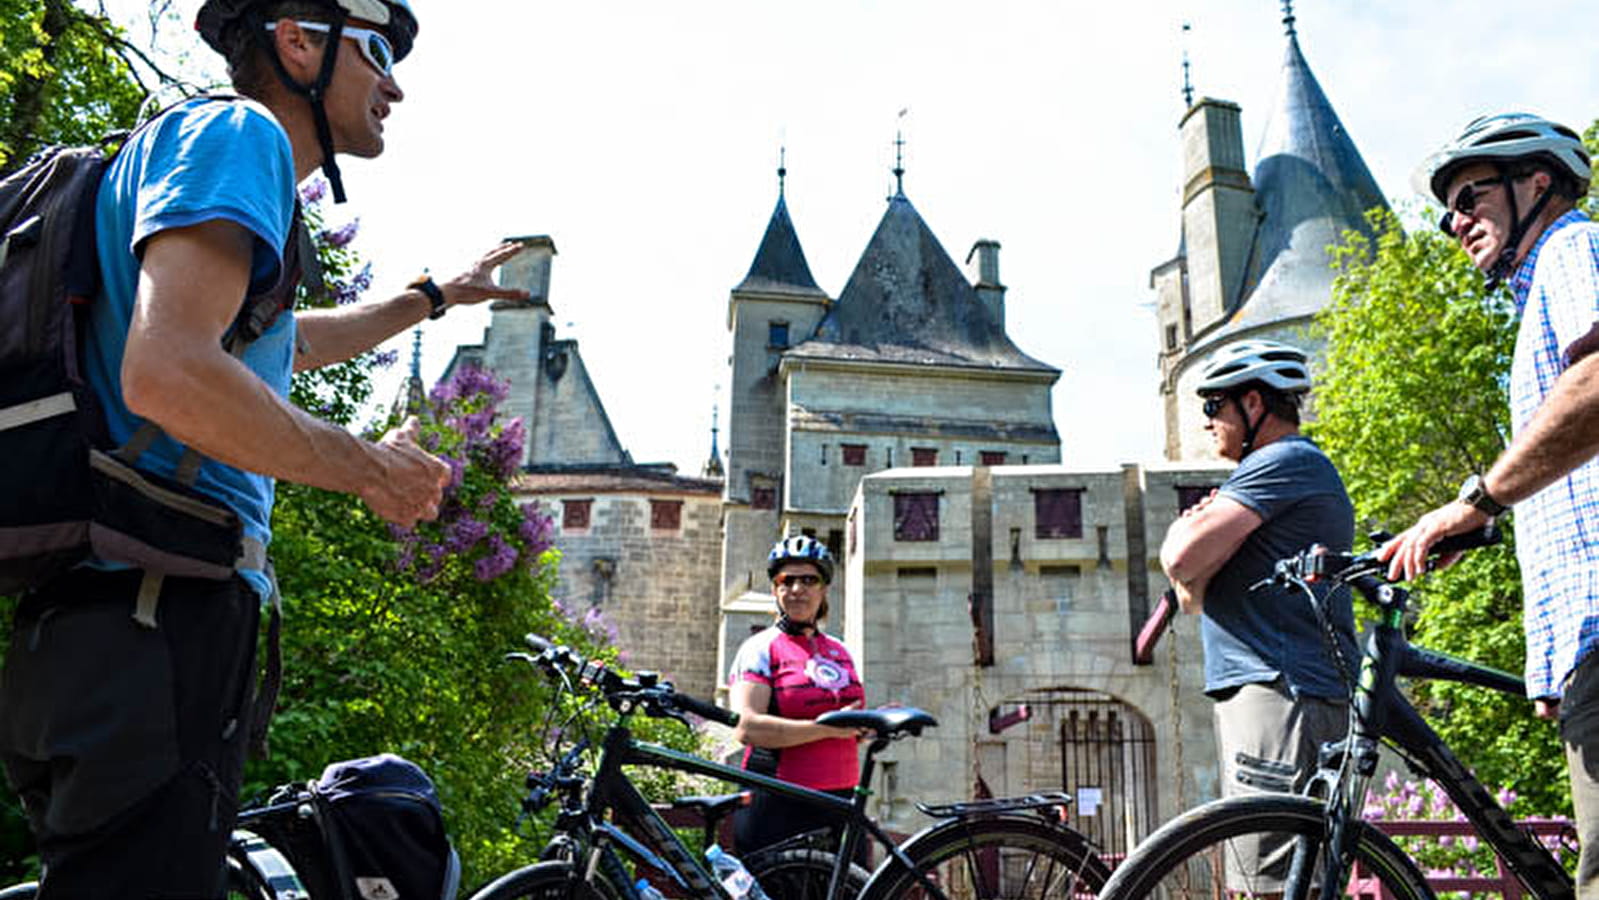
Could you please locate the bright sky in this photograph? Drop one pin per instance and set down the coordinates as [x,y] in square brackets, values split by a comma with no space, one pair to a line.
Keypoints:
[643,137]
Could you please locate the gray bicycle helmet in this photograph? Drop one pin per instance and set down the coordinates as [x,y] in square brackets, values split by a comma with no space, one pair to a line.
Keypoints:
[800,548]
[219,22]
[1500,139]
[1275,365]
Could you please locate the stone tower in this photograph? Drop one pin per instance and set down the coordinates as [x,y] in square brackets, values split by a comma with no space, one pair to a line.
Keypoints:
[1253,260]
[776,305]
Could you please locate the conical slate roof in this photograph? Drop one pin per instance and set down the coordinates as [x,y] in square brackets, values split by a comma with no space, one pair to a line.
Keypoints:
[907,302]
[779,265]
[1311,185]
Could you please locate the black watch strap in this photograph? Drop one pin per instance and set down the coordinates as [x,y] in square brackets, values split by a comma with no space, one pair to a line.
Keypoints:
[435,295]
[1474,493]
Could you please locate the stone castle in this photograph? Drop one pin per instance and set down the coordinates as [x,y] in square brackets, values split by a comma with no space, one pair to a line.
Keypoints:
[980,578]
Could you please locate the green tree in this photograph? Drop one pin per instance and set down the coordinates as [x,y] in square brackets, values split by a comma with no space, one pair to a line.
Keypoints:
[67,75]
[1413,395]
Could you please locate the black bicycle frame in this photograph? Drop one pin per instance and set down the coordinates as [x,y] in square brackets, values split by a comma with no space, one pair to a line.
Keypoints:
[1381,711]
[612,789]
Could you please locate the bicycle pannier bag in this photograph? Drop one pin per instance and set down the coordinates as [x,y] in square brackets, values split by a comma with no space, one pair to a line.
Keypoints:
[385,830]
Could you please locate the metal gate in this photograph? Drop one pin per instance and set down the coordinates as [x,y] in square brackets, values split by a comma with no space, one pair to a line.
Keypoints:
[1107,752]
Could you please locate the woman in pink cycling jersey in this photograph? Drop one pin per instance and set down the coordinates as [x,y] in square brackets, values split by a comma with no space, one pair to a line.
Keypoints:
[782,679]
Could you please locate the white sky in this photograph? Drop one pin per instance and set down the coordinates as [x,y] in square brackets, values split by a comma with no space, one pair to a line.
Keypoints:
[643,137]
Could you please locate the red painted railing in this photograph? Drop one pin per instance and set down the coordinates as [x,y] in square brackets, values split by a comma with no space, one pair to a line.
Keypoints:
[1363,885]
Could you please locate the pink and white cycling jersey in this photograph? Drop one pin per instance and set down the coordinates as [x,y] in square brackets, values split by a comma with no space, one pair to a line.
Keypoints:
[808,676]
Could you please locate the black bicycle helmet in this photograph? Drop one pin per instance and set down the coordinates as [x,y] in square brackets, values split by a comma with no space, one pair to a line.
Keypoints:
[218,21]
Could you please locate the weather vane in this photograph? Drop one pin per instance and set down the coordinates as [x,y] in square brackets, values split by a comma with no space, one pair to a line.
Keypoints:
[899,156]
[1288,17]
[782,168]
[1188,86]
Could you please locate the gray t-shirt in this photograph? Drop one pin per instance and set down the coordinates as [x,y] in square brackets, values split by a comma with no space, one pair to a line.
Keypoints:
[1250,638]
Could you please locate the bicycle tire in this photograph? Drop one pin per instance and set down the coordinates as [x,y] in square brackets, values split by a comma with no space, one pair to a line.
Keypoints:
[24,891]
[801,874]
[1188,857]
[245,883]
[1013,857]
[550,880]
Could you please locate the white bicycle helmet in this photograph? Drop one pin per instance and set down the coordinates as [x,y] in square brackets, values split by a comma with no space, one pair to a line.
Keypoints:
[1505,138]
[396,17]
[1275,365]
[800,548]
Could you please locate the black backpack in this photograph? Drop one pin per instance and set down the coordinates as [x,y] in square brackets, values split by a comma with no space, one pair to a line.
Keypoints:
[65,492]
[384,829]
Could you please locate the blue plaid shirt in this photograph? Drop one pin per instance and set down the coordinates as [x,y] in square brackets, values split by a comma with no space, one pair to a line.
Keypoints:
[1557,529]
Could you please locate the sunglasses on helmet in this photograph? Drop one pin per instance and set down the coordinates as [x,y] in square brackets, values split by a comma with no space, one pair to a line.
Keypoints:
[1466,201]
[374,45]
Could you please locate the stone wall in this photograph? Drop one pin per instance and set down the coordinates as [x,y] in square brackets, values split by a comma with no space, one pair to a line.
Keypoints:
[657,587]
[1062,630]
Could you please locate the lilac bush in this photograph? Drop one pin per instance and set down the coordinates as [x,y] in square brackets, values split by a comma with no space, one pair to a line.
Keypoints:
[481,531]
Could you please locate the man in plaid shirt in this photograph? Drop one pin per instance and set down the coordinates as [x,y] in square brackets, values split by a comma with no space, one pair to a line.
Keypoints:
[1501,166]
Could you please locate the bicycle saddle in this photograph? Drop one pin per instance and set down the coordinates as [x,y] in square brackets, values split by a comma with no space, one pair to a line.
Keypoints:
[884,722]
[714,805]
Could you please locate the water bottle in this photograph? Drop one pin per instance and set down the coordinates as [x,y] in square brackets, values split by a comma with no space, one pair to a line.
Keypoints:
[734,877]
[647,891]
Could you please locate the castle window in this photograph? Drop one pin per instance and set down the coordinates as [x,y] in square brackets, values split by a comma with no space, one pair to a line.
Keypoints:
[1058,513]
[854,454]
[1171,337]
[1189,494]
[924,456]
[666,515]
[763,497]
[824,454]
[575,514]
[777,334]
[890,457]
[916,517]
[993,457]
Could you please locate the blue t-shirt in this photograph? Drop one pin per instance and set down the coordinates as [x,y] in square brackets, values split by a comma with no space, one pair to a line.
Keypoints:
[1252,638]
[204,160]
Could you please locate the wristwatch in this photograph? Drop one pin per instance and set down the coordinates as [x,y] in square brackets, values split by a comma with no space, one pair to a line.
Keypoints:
[1474,493]
[431,290]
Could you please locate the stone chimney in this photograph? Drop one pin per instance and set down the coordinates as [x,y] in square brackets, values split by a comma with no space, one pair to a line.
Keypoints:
[1219,213]
[513,347]
[982,266]
[531,269]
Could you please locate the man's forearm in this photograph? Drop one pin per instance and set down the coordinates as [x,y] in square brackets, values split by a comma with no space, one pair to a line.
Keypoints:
[329,336]
[1563,434]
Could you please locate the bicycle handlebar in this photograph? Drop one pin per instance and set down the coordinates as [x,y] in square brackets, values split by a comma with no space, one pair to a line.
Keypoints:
[1320,564]
[658,698]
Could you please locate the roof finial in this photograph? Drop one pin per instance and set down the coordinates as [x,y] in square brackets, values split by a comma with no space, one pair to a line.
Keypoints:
[713,466]
[416,355]
[1288,17]
[899,157]
[1188,86]
[782,168]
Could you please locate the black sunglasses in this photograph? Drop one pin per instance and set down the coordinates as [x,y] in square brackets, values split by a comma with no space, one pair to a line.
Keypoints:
[1466,202]
[806,580]
[1213,405]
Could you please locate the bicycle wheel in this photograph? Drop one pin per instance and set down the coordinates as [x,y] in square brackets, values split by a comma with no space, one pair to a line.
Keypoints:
[801,874]
[1246,846]
[25,891]
[245,883]
[1011,857]
[547,881]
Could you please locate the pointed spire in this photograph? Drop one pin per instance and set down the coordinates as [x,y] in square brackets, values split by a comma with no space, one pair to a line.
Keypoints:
[713,466]
[899,162]
[780,264]
[1188,86]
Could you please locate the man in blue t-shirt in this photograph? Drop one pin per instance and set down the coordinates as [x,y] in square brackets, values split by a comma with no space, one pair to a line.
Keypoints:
[126,701]
[1279,688]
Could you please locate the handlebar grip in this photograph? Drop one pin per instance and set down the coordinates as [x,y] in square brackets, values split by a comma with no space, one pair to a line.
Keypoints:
[1471,540]
[706,710]
[537,642]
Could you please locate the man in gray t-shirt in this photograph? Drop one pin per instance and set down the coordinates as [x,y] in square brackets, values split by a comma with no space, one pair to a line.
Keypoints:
[1279,692]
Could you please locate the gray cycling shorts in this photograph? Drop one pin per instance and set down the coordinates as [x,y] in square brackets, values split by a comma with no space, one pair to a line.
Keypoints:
[1268,742]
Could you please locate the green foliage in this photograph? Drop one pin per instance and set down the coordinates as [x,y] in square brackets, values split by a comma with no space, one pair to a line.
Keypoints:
[1411,399]
[63,77]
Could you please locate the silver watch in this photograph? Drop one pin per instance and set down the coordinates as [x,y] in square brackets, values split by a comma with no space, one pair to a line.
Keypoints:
[1474,493]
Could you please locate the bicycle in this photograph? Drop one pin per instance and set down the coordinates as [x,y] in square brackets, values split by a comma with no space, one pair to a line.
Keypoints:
[1011,847]
[1210,851]
[282,848]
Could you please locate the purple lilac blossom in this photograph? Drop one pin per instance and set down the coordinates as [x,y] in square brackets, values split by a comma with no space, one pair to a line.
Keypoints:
[314,191]
[341,236]
[500,559]
[463,533]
